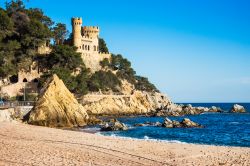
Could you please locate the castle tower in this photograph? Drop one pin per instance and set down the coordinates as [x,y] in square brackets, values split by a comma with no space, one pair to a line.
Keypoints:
[86,39]
[91,31]
[77,31]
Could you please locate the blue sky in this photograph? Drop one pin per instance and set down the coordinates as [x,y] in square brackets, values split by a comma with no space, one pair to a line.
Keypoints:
[192,50]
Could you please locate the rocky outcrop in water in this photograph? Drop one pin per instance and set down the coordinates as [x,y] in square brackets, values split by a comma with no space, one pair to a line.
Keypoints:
[185,123]
[57,107]
[168,123]
[238,109]
[114,125]
[148,124]
[180,110]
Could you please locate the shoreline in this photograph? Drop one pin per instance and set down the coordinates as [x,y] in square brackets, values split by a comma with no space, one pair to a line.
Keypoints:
[23,144]
[156,140]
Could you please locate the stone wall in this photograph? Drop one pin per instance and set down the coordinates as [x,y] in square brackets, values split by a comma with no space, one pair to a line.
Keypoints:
[17,89]
[92,61]
[31,76]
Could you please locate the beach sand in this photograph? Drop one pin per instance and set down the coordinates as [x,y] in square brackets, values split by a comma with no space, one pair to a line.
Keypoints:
[22,144]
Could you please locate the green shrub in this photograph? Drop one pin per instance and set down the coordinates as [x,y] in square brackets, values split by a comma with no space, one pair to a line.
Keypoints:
[105,81]
[102,46]
[126,72]
[143,84]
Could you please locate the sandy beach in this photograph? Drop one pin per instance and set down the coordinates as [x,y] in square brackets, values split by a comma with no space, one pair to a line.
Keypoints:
[22,144]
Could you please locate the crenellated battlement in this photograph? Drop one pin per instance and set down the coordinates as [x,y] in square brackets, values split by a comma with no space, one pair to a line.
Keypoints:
[90,31]
[91,28]
[86,39]
[76,21]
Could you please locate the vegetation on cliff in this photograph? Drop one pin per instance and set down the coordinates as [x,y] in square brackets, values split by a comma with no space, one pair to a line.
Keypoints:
[103,46]
[123,69]
[23,31]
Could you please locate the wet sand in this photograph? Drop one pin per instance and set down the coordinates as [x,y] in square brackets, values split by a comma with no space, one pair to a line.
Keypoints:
[22,144]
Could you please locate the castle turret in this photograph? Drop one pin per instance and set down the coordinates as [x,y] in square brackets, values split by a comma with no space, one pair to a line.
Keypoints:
[77,31]
[86,39]
[91,31]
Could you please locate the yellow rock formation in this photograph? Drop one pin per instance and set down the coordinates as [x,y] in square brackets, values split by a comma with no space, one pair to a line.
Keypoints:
[57,107]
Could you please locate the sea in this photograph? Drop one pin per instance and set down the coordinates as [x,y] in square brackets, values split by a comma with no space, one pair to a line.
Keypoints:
[226,129]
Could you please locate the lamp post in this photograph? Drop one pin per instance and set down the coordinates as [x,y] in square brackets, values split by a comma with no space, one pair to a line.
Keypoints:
[24,92]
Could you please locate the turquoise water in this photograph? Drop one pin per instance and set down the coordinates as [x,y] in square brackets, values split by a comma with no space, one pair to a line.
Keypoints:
[230,129]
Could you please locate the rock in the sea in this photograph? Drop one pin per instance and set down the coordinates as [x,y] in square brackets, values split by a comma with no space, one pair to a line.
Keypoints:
[215,109]
[185,123]
[188,123]
[176,124]
[57,107]
[148,124]
[114,125]
[180,109]
[238,109]
[167,123]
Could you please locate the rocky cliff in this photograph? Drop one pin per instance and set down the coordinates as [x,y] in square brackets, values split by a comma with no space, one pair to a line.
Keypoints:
[138,102]
[57,107]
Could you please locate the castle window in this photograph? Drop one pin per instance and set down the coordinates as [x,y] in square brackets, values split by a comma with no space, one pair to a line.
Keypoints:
[83,47]
[94,48]
[80,47]
[88,47]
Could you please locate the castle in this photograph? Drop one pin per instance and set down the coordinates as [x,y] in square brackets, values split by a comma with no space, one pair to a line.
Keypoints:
[85,39]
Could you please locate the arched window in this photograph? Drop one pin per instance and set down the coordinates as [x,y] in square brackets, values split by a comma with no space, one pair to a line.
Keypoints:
[25,80]
[80,47]
[88,47]
[83,47]
[94,48]
[13,79]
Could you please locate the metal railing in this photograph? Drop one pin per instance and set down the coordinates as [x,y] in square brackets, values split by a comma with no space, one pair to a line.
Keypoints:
[13,104]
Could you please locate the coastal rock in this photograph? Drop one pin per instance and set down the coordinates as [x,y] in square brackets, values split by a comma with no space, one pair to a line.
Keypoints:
[215,109]
[168,123]
[176,124]
[57,107]
[137,103]
[158,124]
[6,115]
[188,123]
[185,123]
[180,109]
[238,109]
[114,126]
[140,124]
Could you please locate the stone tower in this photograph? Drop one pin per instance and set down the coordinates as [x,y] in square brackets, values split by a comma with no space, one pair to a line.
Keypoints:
[86,39]
[77,31]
